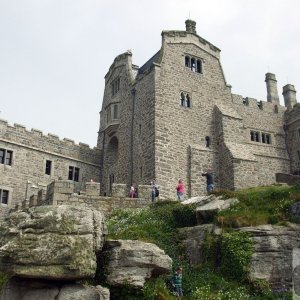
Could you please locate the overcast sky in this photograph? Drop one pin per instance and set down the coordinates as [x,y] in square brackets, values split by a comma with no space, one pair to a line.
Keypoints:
[54,54]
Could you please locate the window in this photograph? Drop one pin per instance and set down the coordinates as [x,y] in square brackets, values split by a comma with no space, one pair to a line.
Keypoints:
[48,167]
[112,113]
[207,141]
[6,157]
[4,196]
[116,111]
[141,172]
[73,173]
[193,63]
[299,133]
[185,100]
[276,109]
[262,137]
[298,152]
[266,138]
[115,86]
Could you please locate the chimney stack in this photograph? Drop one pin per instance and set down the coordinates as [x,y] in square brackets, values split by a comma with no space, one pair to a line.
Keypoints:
[190,26]
[289,95]
[272,92]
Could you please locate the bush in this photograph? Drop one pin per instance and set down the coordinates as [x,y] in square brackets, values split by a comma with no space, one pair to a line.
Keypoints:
[236,253]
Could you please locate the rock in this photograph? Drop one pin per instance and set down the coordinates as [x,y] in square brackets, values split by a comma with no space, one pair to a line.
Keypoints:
[30,289]
[206,212]
[52,242]
[294,210]
[199,201]
[274,246]
[132,262]
[193,240]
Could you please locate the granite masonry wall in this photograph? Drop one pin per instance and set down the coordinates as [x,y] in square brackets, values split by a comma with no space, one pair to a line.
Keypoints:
[169,141]
[30,150]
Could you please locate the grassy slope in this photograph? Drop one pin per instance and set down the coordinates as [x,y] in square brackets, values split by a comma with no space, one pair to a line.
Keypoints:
[159,224]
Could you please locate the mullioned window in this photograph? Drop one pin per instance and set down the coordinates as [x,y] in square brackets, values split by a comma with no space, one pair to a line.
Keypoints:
[6,157]
[185,100]
[195,64]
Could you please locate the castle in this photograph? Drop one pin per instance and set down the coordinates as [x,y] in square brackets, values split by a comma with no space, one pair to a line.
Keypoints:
[171,118]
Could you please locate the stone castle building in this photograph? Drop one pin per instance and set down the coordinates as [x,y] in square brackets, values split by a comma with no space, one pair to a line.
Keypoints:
[171,118]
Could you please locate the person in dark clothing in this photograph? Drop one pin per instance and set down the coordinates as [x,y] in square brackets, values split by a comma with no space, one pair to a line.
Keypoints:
[209,180]
[177,282]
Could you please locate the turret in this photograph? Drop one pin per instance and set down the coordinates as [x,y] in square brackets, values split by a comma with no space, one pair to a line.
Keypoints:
[190,26]
[272,93]
[289,95]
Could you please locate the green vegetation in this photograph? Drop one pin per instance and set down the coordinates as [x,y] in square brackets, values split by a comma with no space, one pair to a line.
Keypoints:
[260,205]
[224,274]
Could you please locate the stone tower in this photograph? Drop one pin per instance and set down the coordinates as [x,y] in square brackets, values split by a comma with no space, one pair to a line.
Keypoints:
[175,116]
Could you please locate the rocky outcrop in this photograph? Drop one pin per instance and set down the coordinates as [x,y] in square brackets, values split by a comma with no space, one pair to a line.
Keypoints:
[28,289]
[52,242]
[132,262]
[208,206]
[193,241]
[273,256]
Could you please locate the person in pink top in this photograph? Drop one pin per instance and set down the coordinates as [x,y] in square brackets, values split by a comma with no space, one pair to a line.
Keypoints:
[180,190]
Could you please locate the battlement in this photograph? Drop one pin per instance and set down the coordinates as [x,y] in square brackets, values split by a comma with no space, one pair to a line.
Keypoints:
[33,133]
[258,105]
[35,139]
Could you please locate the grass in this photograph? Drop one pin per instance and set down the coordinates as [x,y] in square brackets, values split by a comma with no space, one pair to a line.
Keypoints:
[160,222]
[260,205]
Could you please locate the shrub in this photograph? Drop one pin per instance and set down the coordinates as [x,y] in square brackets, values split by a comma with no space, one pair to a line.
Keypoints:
[237,249]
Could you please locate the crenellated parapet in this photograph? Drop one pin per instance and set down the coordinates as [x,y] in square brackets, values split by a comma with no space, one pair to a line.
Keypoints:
[35,139]
[259,106]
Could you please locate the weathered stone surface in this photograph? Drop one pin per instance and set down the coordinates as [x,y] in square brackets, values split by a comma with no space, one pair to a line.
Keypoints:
[132,262]
[206,212]
[294,210]
[52,242]
[193,240]
[199,201]
[272,259]
[208,206]
[30,289]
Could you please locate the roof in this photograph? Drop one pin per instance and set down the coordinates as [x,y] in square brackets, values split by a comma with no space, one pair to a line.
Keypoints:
[149,63]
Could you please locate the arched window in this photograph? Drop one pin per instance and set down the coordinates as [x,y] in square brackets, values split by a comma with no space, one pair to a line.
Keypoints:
[276,109]
[182,99]
[207,141]
[199,66]
[187,61]
[185,100]
[193,65]
[188,101]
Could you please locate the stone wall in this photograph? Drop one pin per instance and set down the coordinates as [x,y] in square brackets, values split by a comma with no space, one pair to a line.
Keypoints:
[31,149]
[292,131]
[62,192]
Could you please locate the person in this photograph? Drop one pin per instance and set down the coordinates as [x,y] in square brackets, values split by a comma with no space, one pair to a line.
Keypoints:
[209,180]
[132,191]
[154,191]
[177,282]
[180,190]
